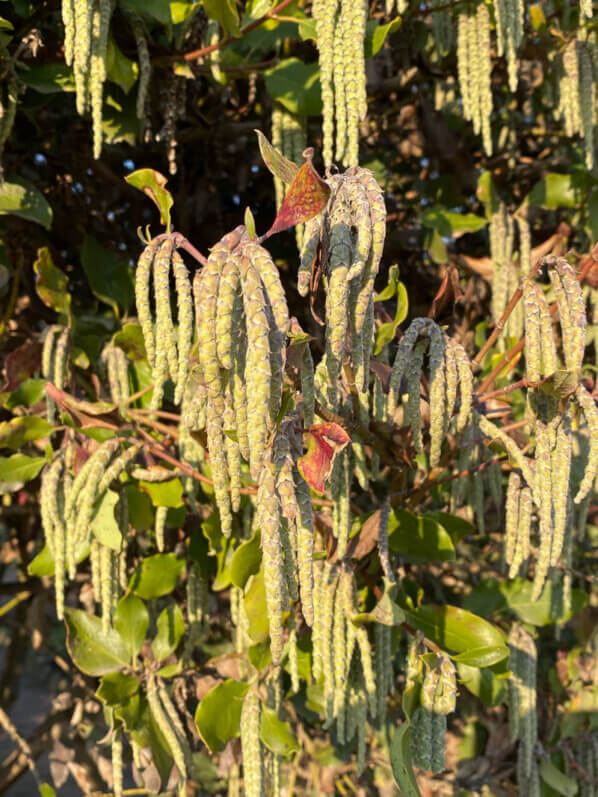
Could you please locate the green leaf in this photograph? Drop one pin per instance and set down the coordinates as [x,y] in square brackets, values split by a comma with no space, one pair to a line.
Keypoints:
[28,393]
[225,13]
[557,780]
[548,608]
[156,9]
[452,225]
[484,656]
[21,430]
[557,191]
[171,627]
[153,185]
[377,35]
[218,715]
[276,734]
[120,69]
[401,763]
[246,560]
[386,611]
[23,199]
[296,86]
[46,790]
[156,575]
[103,521]
[94,651]
[141,514]
[387,331]
[131,620]
[168,493]
[17,469]
[116,687]
[456,526]
[49,78]
[255,608]
[130,340]
[458,630]
[180,10]
[51,283]
[260,655]
[483,683]
[43,563]
[275,161]
[109,277]
[420,536]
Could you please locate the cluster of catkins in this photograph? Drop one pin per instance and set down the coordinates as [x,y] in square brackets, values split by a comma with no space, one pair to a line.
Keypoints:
[350,231]
[340,34]
[67,508]
[523,717]
[474,65]
[86,32]
[541,489]
[449,376]
[436,678]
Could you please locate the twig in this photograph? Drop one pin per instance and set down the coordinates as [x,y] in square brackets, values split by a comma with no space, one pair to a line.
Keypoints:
[195,54]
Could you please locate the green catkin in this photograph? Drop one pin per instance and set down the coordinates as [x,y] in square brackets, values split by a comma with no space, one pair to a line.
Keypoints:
[293,660]
[590,411]
[239,394]
[383,541]
[68,20]
[437,757]
[325,620]
[451,376]
[216,448]
[160,526]
[176,724]
[341,60]
[143,275]
[106,585]
[401,362]
[437,394]
[572,314]
[421,738]
[117,467]
[96,569]
[205,288]
[228,288]
[307,387]
[311,241]
[233,455]
[269,518]
[185,324]
[474,67]
[413,408]
[100,25]
[340,665]
[145,64]
[533,349]
[324,13]
[117,762]
[305,546]
[82,51]
[495,433]
[253,763]
[166,350]
[561,469]
[343,527]
[278,115]
[336,299]
[543,493]
[378,412]
[569,105]
[522,693]
[549,361]
[61,353]
[264,265]
[465,376]
[509,30]
[165,725]
[587,99]
[382,639]
[258,373]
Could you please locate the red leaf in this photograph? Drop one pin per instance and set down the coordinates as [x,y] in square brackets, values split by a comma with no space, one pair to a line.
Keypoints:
[323,442]
[275,161]
[307,196]
[21,363]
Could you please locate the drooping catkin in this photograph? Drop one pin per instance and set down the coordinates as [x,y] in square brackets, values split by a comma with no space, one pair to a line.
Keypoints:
[253,762]
[522,698]
[145,64]
[164,723]
[143,276]
[82,50]
[100,24]
[571,307]
[185,325]
[305,546]
[269,518]
[509,31]
[496,433]
[474,69]
[588,407]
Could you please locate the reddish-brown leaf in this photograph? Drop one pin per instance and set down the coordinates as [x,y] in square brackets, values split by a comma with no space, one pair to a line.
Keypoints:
[275,161]
[323,442]
[307,196]
[21,363]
